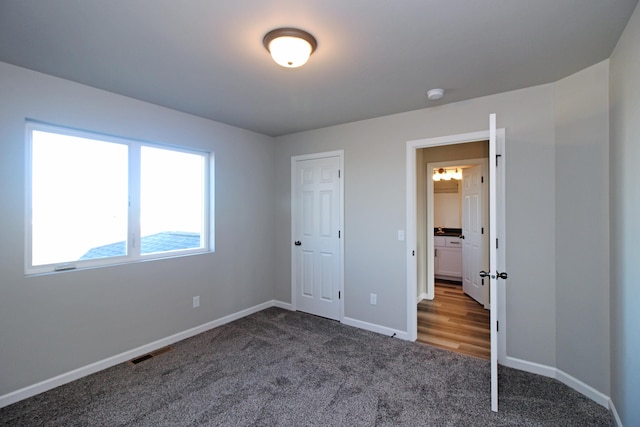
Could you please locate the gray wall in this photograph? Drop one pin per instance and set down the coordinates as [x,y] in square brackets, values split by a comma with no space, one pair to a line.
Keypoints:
[582,232]
[625,232]
[52,324]
[375,205]
[556,152]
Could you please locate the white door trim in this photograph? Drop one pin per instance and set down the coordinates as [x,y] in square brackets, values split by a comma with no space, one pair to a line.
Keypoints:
[412,279]
[294,159]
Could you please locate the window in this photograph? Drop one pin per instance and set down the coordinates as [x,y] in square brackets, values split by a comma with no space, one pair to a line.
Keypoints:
[98,200]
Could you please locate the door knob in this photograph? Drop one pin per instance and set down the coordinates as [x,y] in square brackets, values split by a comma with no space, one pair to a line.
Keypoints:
[484,274]
[502,275]
[462,236]
[298,243]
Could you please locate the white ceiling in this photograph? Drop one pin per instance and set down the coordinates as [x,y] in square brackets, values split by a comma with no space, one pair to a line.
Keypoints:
[374,57]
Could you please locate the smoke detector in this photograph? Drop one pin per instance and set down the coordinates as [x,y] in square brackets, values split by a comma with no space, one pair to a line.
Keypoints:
[435,94]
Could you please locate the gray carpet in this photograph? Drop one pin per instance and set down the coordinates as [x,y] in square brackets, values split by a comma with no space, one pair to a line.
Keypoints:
[281,368]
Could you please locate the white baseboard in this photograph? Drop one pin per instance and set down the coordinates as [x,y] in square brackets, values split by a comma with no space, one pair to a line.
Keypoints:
[583,388]
[422,296]
[563,377]
[616,417]
[375,328]
[534,368]
[67,377]
[283,305]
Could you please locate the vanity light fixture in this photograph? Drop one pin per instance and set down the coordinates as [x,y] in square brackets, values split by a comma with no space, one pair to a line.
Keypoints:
[290,47]
[443,174]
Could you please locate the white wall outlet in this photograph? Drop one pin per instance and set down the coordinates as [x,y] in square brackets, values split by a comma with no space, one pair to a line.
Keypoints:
[400,235]
[373,299]
[196,301]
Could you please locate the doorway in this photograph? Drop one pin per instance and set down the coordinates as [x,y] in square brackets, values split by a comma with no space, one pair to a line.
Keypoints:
[453,301]
[462,226]
[419,246]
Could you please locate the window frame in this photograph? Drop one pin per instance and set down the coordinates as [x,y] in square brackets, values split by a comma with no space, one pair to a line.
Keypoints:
[133,252]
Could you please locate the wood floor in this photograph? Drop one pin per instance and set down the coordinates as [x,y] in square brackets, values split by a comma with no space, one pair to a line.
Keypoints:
[454,321]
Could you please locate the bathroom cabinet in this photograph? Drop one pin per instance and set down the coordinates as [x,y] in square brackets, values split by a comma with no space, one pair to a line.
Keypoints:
[448,257]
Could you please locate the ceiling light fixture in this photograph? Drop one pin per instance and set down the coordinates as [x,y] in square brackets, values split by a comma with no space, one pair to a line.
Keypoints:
[435,94]
[290,47]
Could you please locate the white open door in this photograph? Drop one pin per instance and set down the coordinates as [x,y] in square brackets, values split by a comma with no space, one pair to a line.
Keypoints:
[493,275]
[475,254]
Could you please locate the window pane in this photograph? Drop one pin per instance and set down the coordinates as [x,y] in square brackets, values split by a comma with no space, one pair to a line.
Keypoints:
[79,198]
[171,200]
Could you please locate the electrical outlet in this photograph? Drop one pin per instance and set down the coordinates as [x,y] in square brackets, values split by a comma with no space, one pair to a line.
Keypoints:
[196,301]
[373,299]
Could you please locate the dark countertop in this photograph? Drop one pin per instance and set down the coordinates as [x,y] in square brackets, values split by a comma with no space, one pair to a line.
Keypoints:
[449,232]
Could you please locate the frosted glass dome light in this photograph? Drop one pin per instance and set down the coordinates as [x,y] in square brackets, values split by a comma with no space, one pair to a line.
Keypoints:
[290,47]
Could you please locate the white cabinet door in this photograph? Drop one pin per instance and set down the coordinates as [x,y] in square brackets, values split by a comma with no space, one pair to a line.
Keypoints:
[448,258]
[449,262]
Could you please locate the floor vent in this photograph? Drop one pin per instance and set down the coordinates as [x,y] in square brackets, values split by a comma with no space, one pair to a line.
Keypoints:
[160,351]
[148,356]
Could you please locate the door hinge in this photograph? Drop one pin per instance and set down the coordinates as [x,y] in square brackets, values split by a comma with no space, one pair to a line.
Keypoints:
[482,230]
[413,253]
[482,179]
[496,243]
[497,155]
[338,173]
[339,295]
[338,234]
[497,326]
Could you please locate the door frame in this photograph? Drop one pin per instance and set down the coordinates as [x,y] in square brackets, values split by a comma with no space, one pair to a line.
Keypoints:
[314,156]
[412,256]
[430,280]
